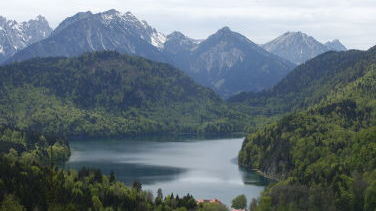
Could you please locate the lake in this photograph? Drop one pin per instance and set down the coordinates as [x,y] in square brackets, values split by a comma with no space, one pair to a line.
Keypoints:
[207,169]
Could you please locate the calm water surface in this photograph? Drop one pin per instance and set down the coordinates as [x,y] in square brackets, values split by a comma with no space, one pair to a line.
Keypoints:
[205,168]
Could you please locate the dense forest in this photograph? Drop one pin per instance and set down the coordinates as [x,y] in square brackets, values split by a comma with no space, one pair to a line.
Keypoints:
[29,180]
[108,94]
[34,147]
[324,156]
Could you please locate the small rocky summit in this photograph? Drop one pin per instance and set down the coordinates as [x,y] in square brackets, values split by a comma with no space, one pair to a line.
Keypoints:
[177,42]
[299,47]
[335,45]
[16,36]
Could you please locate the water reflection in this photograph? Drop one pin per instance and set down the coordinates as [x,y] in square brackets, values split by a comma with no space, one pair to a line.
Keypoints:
[130,172]
[204,168]
[254,178]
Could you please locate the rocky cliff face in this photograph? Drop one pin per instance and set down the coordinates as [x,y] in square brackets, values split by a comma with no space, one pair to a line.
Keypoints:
[15,36]
[178,49]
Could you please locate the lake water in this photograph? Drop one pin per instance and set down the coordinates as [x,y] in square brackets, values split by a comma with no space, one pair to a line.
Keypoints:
[206,169]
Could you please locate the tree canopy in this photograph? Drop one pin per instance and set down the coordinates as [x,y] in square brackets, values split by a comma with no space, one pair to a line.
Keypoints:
[324,156]
[109,94]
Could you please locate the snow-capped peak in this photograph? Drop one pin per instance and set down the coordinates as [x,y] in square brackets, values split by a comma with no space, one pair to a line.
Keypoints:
[19,35]
[131,16]
[158,39]
[110,15]
[131,23]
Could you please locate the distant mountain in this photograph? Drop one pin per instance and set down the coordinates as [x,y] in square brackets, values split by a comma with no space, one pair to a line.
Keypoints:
[228,62]
[298,47]
[16,36]
[335,45]
[106,94]
[178,49]
[177,42]
[110,30]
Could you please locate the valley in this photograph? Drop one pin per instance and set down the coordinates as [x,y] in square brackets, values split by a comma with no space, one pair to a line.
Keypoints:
[105,112]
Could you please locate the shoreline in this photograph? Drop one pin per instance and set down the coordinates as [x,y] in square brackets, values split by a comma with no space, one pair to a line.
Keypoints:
[258,171]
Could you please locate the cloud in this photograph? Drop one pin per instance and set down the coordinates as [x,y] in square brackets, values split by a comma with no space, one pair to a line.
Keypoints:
[350,21]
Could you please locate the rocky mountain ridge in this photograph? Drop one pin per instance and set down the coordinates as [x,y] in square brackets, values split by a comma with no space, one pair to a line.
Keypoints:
[15,36]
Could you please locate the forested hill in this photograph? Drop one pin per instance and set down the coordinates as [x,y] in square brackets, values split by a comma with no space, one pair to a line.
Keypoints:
[326,153]
[310,82]
[105,94]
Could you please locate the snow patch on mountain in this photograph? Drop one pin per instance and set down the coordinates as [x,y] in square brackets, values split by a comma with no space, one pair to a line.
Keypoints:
[131,23]
[15,36]
[158,39]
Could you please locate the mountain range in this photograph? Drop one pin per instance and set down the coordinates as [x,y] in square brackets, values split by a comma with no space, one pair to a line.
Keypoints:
[110,30]
[15,36]
[226,61]
[299,47]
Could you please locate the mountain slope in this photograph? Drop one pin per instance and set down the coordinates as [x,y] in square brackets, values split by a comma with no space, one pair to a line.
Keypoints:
[229,63]
[178,48]
[16,36]
[105,94]
[308,83]
[298,47]
[327,152]
[86,32]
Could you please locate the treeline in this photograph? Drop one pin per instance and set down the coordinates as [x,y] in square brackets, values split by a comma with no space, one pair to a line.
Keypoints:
[25,186]
[33,146]
[30,180]
[325,156]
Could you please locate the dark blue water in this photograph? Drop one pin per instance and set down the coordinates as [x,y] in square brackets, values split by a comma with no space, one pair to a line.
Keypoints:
[205,168]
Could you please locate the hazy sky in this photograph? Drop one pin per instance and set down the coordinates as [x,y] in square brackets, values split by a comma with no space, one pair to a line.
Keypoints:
[351,21]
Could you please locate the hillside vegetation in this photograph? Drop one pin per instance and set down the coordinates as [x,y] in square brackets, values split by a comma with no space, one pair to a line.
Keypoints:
[309,83]
[108,94]
[29,180]
[325,155]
